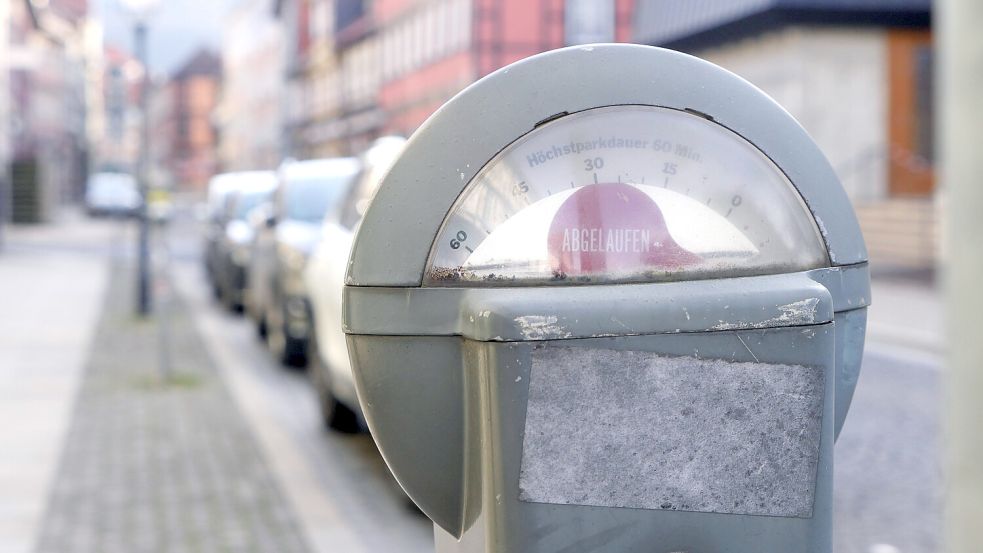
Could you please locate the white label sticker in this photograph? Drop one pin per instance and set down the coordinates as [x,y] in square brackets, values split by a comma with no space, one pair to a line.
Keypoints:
[640,430]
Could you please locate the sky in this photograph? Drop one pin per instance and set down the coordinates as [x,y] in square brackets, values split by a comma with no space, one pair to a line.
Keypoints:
[176,28]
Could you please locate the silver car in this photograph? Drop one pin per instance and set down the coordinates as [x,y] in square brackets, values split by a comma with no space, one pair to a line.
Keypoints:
[277,296]
[235,243]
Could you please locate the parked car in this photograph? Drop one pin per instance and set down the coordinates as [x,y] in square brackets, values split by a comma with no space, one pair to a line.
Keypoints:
[216,214]
[235,244]
[259,273]
[306,190]
[330,369]
[112,194]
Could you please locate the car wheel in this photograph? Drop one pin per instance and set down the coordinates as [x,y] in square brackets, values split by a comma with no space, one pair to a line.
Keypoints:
[335,415]
[216,289]
[287,351]
[253,312]
[261,329]
[275,336]
[228,299]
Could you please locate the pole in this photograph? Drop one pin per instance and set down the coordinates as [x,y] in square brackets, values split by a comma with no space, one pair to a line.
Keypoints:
[960,46]
[143,241]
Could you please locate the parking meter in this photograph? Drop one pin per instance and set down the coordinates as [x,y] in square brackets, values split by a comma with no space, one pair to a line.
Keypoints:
[610,298]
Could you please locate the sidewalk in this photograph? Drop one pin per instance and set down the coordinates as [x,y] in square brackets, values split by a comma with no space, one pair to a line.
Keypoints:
[160,461]
[906,314]
[51,282]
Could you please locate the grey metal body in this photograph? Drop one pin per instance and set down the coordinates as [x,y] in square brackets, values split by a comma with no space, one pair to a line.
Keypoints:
[446,376]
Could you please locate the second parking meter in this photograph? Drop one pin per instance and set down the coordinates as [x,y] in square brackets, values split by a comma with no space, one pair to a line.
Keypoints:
[611,298]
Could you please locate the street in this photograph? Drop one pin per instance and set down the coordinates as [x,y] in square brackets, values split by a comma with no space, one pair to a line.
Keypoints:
[888,477]
[887,494]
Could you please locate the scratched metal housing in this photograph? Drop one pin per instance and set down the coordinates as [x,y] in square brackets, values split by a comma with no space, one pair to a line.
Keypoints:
[443,374]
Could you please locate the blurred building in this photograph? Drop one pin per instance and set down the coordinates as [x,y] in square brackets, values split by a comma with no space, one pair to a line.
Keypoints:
[250,110]
[431,50]
[182,125]
[45,103]
[5,114]
[857,75]
[116,140]
[358,69]
[160,146]
[293,19]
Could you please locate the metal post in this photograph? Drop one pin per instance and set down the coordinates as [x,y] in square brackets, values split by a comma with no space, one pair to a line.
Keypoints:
[961,50]
[143,246]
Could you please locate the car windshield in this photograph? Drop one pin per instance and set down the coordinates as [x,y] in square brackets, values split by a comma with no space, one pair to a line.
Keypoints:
[247,201]
[309,199]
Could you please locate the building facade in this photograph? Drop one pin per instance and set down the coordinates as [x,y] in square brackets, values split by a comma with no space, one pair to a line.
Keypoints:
[116,144]
[161,147]
[6,15]
[293,18]
[250,110]
[359,69]
[186,125]
[857,76]
[45,102]
[423,68]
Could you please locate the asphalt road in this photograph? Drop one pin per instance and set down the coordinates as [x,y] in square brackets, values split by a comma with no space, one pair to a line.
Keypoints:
[888,481]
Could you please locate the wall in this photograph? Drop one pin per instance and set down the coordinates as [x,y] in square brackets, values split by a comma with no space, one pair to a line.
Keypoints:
[197,140]
[4,105]
[426,58]
[834,81]
[250,111]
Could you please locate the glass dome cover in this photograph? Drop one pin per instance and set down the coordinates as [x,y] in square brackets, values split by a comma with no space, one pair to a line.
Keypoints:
[624,194]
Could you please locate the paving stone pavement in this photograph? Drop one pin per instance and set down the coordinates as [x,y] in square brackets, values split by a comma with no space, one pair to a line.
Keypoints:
[160,465]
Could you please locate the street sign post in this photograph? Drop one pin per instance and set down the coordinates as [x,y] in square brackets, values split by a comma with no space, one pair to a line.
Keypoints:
[611,298]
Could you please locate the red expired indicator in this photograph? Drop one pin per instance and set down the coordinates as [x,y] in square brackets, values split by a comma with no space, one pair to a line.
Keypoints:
[612,228]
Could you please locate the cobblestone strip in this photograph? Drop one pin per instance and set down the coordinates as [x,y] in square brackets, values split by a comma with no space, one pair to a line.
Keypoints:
[160,465]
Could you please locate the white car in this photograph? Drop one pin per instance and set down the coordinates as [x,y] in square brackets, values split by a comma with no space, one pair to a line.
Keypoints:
[330,369]
[112,194]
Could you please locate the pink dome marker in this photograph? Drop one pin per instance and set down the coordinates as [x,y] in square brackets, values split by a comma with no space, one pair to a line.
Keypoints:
[612,228]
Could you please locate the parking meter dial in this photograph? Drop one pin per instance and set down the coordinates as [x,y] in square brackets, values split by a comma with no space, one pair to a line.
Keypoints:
[622,194]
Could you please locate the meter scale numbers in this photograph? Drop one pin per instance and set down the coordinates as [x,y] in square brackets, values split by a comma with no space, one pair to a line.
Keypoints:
[623,194]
